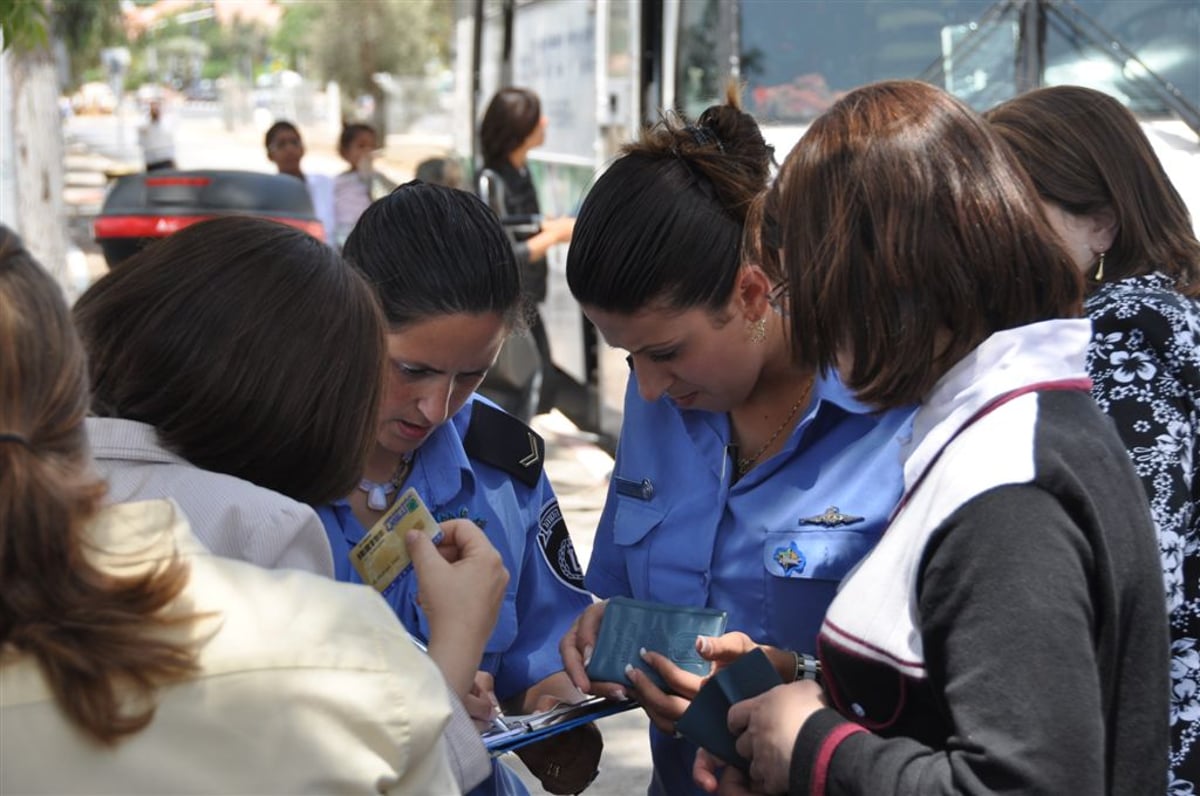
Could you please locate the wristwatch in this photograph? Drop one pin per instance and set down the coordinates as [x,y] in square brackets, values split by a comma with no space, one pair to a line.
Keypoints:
[807,667]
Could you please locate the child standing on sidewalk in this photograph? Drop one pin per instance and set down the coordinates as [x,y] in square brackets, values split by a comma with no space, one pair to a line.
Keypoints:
[356,188]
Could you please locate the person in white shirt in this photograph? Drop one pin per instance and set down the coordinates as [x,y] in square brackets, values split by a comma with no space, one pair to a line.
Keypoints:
[157,139]
[285,148]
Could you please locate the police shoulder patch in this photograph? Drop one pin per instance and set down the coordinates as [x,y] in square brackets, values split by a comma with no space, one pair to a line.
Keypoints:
[497,438]
[555,541]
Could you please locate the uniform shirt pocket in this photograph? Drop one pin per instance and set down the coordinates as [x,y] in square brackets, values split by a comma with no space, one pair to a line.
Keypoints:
[632,525]
[802,570]
[815,554]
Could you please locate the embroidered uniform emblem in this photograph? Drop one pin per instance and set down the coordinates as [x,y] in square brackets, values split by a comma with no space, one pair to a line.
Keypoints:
[831,518]
[555,542]
[463,514]
[790,559]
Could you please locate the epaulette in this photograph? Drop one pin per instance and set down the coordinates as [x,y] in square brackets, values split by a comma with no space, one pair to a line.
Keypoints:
[497,438]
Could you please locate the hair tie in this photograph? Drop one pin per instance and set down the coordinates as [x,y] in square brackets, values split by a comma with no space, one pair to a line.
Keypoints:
[17,438]
[704,135]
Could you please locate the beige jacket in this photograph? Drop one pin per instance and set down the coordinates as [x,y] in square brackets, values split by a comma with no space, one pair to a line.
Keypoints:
[306,686]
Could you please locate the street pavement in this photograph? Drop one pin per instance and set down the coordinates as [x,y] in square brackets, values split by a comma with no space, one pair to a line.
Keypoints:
[577,466]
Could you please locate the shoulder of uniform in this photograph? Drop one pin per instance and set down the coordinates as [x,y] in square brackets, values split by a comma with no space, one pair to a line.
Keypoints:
[497,438]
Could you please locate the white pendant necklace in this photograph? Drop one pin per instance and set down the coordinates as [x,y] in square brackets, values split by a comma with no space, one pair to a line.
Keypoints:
[379,492]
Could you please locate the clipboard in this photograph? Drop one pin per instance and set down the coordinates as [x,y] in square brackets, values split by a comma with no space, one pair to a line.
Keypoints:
[509,733]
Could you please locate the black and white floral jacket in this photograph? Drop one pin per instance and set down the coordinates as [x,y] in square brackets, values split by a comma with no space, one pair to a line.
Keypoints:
[1144,361]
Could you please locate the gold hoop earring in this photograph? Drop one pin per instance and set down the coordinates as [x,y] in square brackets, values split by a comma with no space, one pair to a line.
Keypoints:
[1099,275]
[758,330]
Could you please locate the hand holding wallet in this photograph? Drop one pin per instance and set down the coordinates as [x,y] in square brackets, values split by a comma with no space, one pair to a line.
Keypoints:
[670,630]
[706,723]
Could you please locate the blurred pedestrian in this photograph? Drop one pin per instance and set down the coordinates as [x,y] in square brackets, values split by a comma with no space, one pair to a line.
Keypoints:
[743,481]
[440,171]
[512,125]
[137,662]
[156,137]
[445,275]
[361,184]
[1108,197]
[1008,633]
[285,149]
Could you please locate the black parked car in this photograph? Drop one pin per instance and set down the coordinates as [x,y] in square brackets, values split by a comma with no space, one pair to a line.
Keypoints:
[143,207]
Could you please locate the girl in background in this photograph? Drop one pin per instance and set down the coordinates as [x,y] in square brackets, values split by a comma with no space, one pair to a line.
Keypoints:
[361,184]
[1129,234]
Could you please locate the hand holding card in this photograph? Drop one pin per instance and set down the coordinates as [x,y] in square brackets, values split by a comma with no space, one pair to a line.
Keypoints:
[382,556]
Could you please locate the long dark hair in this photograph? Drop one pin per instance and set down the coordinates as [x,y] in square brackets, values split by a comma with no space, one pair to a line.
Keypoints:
[665,221]
[91,633]
[251,348]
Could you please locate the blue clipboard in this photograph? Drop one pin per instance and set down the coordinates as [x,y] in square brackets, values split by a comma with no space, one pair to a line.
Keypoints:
[510,733]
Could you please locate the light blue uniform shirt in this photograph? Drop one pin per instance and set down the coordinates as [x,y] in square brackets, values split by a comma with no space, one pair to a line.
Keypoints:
[545,590]
[770,548]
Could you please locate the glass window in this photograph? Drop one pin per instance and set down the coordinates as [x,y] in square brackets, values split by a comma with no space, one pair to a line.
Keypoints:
[797,57]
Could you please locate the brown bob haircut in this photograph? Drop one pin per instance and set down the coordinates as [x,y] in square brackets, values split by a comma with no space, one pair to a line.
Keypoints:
[1086,152]
[909,235]
[252,348]
[511,115]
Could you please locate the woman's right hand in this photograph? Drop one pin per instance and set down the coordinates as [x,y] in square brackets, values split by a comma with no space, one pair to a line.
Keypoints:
[462,582]
[576,650]
[560,228]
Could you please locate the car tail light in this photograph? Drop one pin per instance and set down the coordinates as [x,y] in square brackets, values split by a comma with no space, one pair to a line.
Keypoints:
[194,182]
[108,227]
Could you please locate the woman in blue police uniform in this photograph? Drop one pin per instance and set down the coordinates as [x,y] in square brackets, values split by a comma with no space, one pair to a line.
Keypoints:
[742,482]
[444,272]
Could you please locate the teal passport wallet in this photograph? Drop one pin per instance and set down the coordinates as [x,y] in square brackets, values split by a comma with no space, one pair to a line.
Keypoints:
[705,722]
[670,630]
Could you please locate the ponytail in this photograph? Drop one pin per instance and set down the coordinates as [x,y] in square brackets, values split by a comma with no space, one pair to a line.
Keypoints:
[92,634]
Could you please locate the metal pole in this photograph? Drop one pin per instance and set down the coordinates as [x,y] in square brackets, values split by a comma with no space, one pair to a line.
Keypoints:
[1031,45]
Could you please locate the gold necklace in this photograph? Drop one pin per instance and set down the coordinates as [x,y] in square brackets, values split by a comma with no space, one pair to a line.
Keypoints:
[744,464]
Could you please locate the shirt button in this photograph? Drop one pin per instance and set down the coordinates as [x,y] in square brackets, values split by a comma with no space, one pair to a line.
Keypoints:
[704,579]
[858,710]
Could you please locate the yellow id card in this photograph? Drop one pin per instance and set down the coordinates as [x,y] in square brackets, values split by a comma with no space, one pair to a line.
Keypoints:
[381,556]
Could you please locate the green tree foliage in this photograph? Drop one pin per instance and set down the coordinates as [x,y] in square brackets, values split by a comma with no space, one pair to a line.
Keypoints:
[23,24]
[85,27]
[351,42]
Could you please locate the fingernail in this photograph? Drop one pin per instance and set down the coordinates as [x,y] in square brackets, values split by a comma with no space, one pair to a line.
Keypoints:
[642,653]
[587,654]
[629,670]
[620,694]
[702,645]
